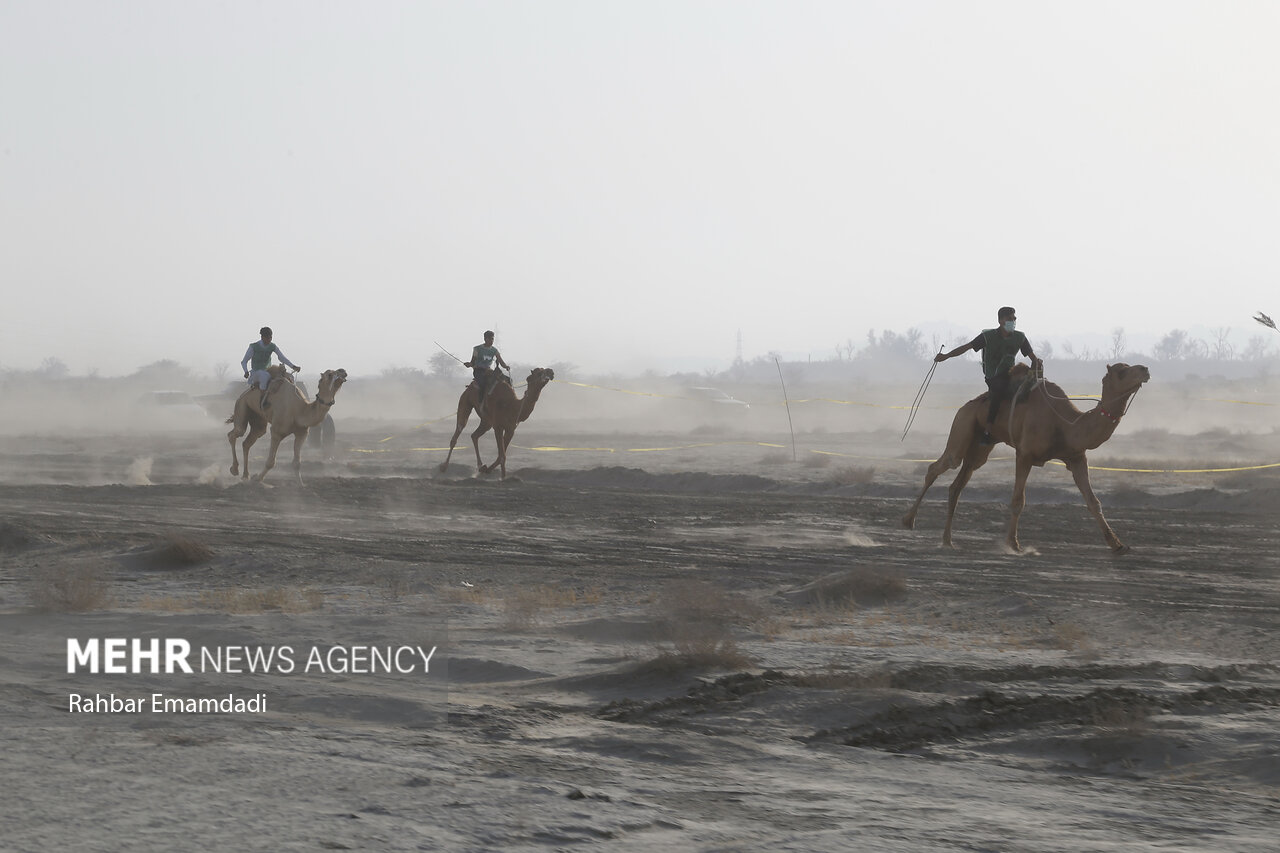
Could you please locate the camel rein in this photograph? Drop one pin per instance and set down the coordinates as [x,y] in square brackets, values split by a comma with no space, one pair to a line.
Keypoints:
[1100,409]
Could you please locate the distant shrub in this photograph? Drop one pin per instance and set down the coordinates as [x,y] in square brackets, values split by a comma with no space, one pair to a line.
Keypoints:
[70,589]
[852,475]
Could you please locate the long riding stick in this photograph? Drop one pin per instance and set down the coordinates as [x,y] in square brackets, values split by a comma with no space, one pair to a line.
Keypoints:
[915,404]
[451,355]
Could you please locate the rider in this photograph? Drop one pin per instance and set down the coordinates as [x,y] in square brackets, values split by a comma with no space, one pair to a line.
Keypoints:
[483,359]
[259,353]
[999,347]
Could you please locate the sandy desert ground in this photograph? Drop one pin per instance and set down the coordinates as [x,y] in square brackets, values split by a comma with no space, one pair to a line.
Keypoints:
[682,637]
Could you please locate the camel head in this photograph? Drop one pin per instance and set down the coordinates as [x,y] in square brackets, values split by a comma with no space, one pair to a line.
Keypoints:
[539,377]
[330,382]
[1123,379]
[279,371]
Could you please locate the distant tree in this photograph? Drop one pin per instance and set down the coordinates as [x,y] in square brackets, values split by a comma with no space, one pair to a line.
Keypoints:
[1222,348]
[568,370]
[1173,346]
[1118,343]
[892,346]
[442,365]
[1085,354]
[1258,349]
[1044,349]
[409,374]
[166,371]
[220,371]
[52,368]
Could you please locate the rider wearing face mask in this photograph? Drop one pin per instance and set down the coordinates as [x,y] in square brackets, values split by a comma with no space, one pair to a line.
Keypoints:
[999,347]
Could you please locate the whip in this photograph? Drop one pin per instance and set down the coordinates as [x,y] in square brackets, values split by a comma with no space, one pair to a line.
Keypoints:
[915,404]
[451,355]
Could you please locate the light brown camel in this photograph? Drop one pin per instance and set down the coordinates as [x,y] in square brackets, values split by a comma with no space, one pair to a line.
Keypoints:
[288,413]
[502,411]
[1045,426]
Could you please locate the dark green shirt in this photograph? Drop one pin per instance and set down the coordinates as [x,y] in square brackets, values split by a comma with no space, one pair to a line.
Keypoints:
[999,351]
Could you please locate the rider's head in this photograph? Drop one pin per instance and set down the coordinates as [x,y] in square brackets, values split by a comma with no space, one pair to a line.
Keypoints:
[1006,313]
[265,331]
[488,337]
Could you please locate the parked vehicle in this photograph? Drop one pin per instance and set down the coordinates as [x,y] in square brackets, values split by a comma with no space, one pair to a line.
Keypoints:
[169,410]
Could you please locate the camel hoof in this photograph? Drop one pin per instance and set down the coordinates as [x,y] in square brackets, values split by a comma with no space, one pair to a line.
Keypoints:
[1122,549]
[909,522]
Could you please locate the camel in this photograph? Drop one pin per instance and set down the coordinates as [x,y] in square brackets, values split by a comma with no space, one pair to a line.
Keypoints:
[1045,426]
[288,413]
[502,411]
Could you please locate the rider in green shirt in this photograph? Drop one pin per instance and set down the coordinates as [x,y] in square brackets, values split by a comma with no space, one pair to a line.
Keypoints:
[999,347]
[257,358]
[484,360]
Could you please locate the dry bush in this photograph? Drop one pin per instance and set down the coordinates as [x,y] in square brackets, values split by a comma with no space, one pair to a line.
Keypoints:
[836,679]
[177,551]
[1131,719]
[392,583]
[852,475]
[817,460]
[775,457]
[840,592]
[699,620]
[682,658]
[229,600]
[70,589]
[464,595]
[525,607]
[15,538]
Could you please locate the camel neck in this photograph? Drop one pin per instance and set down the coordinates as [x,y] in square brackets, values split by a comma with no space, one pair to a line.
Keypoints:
[529,401]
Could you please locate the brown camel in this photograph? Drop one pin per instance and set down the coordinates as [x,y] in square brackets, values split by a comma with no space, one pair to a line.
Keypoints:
[288,413]
[1045,426]
[502,411]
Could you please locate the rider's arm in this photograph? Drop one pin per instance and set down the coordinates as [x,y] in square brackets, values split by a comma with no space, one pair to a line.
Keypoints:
[975,344]
[244,362]
[284,359]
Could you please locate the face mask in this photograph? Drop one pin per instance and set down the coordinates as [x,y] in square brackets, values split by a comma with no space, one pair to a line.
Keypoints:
[1010,325]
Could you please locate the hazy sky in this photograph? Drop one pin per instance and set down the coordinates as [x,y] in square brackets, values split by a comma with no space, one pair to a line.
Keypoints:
[626,184]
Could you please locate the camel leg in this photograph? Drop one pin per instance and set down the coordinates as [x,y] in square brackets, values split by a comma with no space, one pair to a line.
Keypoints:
[236,431]
[1079,468]
[475,442]
[255,432]
[974,459]
[1022,470]
[936,469]
[464,414]
[276,438]
[504,441]
[299,439]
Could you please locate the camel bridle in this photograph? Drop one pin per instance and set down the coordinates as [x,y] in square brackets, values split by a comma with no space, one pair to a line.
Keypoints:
[1127,399]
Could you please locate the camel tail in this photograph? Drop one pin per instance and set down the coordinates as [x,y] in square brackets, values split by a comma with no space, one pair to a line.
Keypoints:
[230,420]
